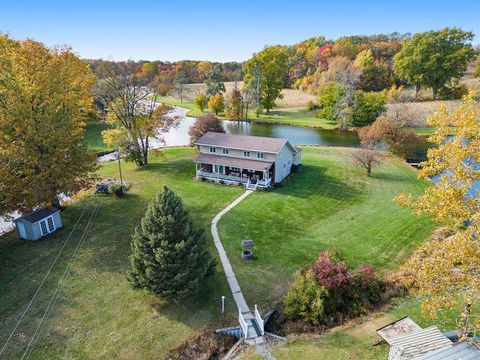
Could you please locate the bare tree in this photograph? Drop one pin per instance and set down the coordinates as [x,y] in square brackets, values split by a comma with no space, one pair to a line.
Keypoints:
[367,159]
[133,109]
[348,78]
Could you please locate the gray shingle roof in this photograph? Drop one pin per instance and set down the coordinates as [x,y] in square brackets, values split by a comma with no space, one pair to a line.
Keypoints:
[233,161]
[243,142]
[39,214]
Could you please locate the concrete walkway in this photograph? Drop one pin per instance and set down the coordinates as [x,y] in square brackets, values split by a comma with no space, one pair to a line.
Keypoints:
[227,267]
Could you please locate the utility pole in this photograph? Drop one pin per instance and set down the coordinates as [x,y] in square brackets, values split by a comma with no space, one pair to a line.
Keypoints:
[119,166]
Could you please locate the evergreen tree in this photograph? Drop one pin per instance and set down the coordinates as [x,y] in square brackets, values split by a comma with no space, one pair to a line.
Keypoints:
[168,252]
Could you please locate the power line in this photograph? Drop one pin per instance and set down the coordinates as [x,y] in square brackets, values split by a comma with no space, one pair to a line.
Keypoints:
[43,281]
[51,304]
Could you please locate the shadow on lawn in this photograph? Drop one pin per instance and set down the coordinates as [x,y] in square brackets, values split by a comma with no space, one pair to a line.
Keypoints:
[312,180]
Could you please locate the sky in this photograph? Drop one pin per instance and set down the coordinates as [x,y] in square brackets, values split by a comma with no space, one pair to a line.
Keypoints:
[218,30]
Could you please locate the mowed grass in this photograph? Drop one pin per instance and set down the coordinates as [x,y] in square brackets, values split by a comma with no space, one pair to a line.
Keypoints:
[328,204]
[97,314]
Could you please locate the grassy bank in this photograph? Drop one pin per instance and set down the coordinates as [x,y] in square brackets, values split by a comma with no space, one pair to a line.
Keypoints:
[328,204]
[295,116]
[97,315]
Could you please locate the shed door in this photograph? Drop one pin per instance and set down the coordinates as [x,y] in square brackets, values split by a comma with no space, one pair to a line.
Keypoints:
[21,229]
[51,225]
[47,225]
[43,227]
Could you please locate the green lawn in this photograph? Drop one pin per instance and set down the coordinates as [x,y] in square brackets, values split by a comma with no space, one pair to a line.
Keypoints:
[328,204]
[187,104]
[97,315]
[93,136]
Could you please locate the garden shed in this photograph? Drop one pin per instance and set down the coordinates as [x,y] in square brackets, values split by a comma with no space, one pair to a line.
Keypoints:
[39,223]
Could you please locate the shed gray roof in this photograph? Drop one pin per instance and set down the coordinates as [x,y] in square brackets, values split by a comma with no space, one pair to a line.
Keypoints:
[461,351]
[233,161]
[417,344]
[39,214]
[244,142]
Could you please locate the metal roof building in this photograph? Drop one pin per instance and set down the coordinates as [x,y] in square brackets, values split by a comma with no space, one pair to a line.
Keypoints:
[460,351]
[417,344]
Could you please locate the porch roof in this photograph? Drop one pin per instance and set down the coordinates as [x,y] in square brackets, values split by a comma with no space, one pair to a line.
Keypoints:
[232,161]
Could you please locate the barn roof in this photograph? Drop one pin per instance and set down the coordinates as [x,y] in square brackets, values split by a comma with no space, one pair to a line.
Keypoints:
[38,215]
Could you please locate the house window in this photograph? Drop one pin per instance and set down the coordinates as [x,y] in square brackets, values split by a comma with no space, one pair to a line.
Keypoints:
[219,169]
[225,151]
[213,149]
[260,155]
[246,153]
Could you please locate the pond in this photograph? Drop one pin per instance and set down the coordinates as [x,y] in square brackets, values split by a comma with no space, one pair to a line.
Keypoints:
[296,135]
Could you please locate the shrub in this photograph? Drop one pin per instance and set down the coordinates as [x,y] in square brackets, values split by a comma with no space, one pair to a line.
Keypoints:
[330,291]
[116,189]
[311,106]
[215,103]
[453,92]
[305,297]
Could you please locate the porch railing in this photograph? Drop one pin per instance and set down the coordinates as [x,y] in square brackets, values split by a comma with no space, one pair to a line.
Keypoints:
[243,323]
[242,180]
[259,321]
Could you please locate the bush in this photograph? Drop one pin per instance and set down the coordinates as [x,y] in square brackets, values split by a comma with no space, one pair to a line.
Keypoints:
[312,106]
[116,189]
[331,291]
[453,92]
[305,297]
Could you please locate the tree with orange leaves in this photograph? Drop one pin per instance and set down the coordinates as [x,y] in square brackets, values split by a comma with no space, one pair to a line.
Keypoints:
[45,95]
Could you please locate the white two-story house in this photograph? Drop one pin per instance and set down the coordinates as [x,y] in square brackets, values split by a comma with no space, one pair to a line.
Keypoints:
[249,160]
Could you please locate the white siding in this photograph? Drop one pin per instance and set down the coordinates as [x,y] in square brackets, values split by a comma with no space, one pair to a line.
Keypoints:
[283,164]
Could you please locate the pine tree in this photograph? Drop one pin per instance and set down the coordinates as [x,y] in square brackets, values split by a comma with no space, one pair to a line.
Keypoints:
[168,252]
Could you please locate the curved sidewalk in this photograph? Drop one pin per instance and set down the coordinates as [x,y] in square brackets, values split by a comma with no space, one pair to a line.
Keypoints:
[227,267]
